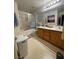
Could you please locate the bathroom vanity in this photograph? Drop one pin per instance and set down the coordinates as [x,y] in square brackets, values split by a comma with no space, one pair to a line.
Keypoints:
[51,35]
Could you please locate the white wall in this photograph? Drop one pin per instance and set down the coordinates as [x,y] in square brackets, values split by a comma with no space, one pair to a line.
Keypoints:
[16,29]
[16,11]
[60,12]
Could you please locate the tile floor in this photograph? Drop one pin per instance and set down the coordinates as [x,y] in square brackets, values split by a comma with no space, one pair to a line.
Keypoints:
[37,50]
[50,46]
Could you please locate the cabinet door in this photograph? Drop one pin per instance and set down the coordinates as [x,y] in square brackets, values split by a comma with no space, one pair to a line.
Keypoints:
[60,41]
[40,32]
[62,44]
[54,38]
[46,35]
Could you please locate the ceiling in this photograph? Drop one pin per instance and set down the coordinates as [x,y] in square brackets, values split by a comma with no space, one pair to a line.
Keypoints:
[30,5]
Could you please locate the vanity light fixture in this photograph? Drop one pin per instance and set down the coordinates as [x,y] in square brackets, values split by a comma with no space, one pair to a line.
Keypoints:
[51,3]
[48,5]
[54,2]
[58,0]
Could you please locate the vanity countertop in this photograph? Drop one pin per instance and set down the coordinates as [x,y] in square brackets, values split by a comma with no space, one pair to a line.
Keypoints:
[55,28]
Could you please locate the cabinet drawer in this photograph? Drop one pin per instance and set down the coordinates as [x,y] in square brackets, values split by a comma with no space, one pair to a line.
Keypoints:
[53,37]
[61,43]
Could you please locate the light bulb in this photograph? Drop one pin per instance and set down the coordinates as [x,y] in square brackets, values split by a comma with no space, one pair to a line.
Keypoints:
[57,0]
[54,2]
[51,3]
[48,4]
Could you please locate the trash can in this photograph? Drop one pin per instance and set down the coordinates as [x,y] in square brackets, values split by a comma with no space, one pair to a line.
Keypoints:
[59,56]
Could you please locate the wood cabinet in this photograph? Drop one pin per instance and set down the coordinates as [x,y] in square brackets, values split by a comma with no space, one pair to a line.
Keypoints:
[52,36]
[40,32]
[46,35]
[55,38]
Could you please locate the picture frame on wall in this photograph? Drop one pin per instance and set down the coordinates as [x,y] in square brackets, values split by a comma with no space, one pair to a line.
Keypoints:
[51,18]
